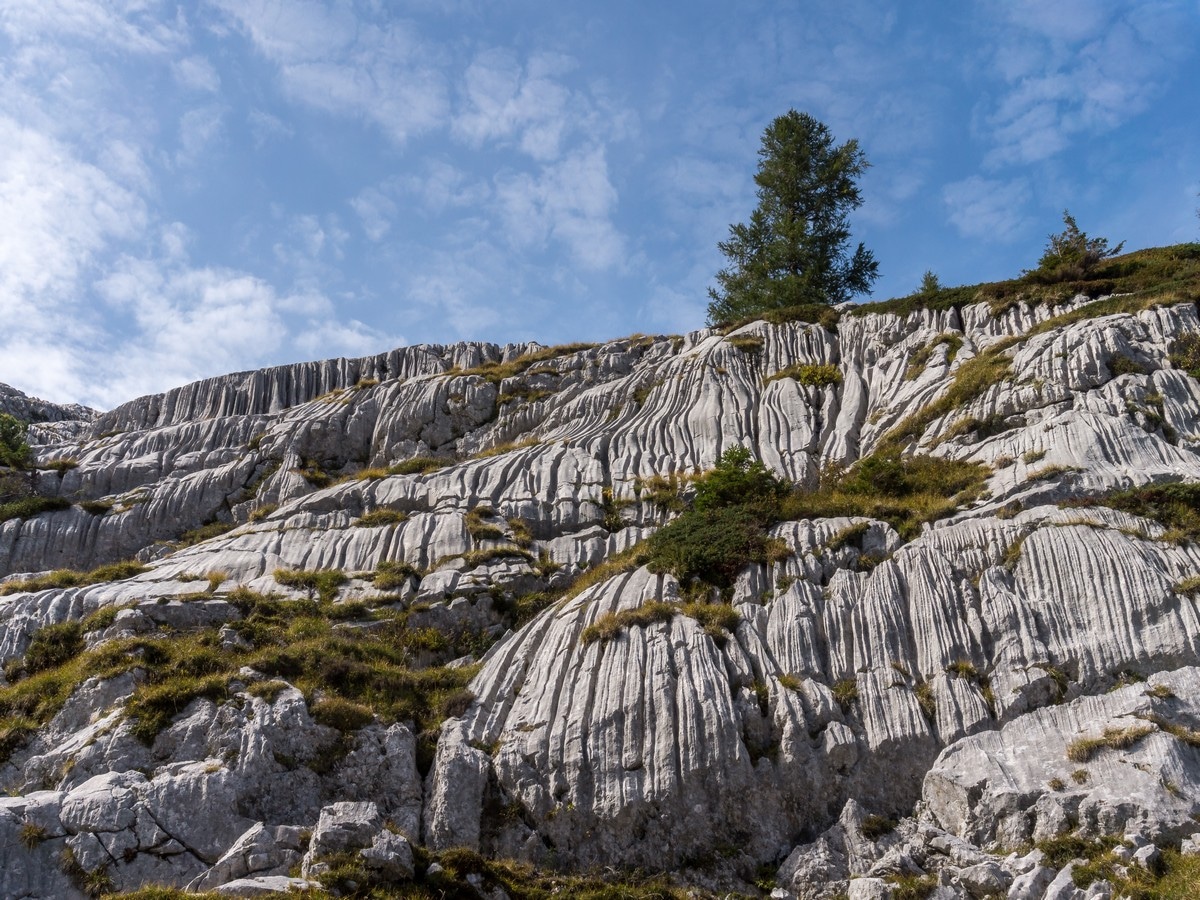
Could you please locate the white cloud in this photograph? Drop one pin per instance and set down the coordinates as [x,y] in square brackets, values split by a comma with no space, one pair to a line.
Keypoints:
[503,100]
[1074,69]
[375,210]
[265,127]
[199,130]
[197,74]
[987,208]
[58,213]
[142,26]
[331,60]
[571,201]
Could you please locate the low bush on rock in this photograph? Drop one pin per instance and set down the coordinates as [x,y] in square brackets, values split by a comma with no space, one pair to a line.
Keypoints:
[66,578]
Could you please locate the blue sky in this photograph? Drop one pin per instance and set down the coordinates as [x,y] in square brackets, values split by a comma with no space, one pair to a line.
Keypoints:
[188,189]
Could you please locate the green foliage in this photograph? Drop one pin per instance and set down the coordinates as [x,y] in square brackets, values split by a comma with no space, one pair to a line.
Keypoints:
[713,545]
[481,530]
[845,692]
[60,465]
[205,532]
[377,518]
[390,575]
[920,359]
[51,645]
[419,465]
[793,251]
[905,491]
[1175,506]
[738,480]
[809,374]
[1071,255]
[1083,749]
[496,372]
[1184,353]
[930,285]
[28,507]
[324,583]
[610,624]
[874,827]
[344,715]
[65,578]
[911,887]
[1155,275]
[14,452]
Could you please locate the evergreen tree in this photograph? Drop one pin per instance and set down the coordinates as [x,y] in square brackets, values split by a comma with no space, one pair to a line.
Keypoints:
[793,252]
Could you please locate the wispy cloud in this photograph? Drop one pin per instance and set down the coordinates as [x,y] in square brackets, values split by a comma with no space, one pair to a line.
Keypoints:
[331,59]
[987,208]
[1075,69]
[570,201]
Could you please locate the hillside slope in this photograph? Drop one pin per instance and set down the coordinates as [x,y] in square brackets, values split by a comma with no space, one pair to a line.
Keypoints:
[415,589]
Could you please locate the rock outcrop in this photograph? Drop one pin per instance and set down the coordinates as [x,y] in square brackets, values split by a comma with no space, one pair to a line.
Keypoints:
[938,679]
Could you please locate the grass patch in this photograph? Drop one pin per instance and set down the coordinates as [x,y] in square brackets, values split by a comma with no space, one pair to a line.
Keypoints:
[905,491]
[1083,749]
[205,532]
[1184,353]
[971,381]
[874,827]
[611,624]
[481,530]
[1155,274]
[28,507]
[419,465]
[812,313]
[322,583]
[809,374]
[747,343]
[377,518]
[60,465]
[496,372]
[1175,506]
[845,692]
[50,646]
[507,447]
[96,507]
[68,578]
[920,359]
[390,575]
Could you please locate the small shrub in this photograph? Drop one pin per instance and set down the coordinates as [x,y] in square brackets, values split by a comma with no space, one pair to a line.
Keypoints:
[1071,254]
[925,699]
[1160,692]
[65,578]
[96,507]
[747,343]
[1083,749]
[14,452]
[1184,353]
[1056,784]
[1049,473]
[610,624]
[874,827]
[1080,776]
[377,518]
[311,471]
[419,465]
[845,692]
[390,575]
[1029,457]
[911,887]
[28,507]
[1125,365]
[809,374]
[344,715]
[324,583]
[60,465]
[32,835]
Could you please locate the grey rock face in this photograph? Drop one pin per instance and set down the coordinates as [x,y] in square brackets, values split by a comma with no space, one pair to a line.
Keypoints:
[939,680]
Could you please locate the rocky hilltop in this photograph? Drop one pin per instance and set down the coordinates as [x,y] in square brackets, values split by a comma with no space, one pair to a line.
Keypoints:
[449,616]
